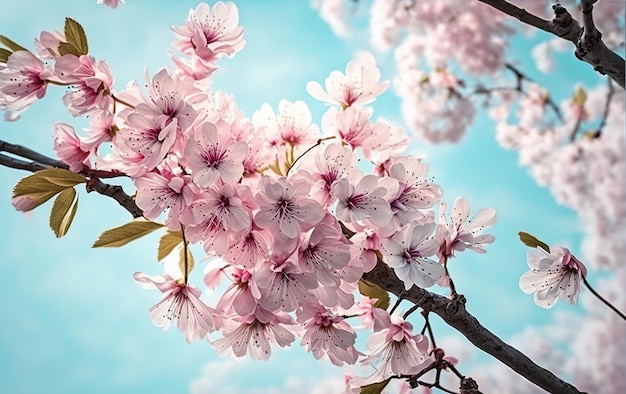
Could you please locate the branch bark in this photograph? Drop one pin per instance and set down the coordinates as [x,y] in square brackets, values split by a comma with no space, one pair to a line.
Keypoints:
[456,316]
[453,312]
[39,161]
[588,40]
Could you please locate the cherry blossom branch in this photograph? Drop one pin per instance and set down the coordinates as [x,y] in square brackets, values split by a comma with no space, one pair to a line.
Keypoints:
[607,303]
[588,41]
[40,162]
[455,315]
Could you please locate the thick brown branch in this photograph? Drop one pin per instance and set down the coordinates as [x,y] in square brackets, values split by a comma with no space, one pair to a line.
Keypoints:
[39,162]
[455,315]
[588,41]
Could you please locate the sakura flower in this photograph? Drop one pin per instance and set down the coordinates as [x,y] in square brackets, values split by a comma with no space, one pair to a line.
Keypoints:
[291,127]
[395,351]
[92,83]
[168,99]
[148,139]
[353,127]
[211,154]
[335,162]
[285,207]
[415,191]
[210,33]
[327,335]
[217,216]
[67,146]
[181,304]
[240,297]
[250,249]
[22,81]
[358,86]
[365,200]
[553,275]
[111,3]
[254,334]
[406,253]
[284,286]
[158,192]
[460,233]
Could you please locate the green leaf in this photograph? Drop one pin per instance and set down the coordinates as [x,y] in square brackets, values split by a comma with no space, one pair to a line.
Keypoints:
[4,55]
[63,211]
[75,36]
[12,45]
[375,388]
[371,290]
[168,242]
[120,236]
[189,263]
[530,240]
[68,49]
[45,184]
[61,177]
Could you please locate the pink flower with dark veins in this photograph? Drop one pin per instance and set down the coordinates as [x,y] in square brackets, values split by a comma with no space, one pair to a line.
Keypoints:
[150,137]
[212,154]
[210,33]
[553,275]
[92,83]
[360,84]
[407,253]
[68,147]
[285,207]
[181,304]
[22,81]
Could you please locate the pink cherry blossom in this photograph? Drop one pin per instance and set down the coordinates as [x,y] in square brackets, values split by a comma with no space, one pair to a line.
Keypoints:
[212,154]
[460,232]
[250,249]
[285,207]
[157,192]
[327,335]
[394,350]
[290,128]
[22,81]
[240,297]
[92,83]
[168,99]
[148,137]
[352,126]
[326,167]
[111,3]
[554,275]
[254,334]
[67,146]
[407,251]
[365,200]
[360,85]
[210,33]
[181,304]
[217,216]
[283,285]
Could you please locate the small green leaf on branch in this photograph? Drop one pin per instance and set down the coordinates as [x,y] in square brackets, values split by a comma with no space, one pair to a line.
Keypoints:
[375,388]
[530,240]
[372,290]
[45,184]
[12,45]
[75,36]
[168,242]
[120,236]
[63,211]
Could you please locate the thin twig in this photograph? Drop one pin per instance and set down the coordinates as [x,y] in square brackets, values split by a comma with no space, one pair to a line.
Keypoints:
[595,293]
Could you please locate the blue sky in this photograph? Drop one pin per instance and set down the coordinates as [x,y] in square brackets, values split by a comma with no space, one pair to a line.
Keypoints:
[74,321]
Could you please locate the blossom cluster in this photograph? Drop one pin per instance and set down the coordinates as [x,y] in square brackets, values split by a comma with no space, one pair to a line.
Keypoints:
[270,198]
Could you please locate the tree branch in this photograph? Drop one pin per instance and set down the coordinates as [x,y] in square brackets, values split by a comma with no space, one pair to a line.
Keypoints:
[455,315]
[588,41]
[39,162]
